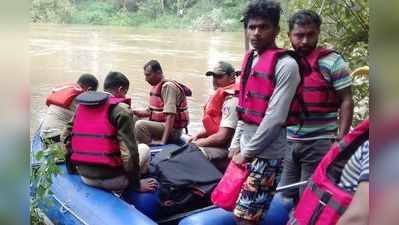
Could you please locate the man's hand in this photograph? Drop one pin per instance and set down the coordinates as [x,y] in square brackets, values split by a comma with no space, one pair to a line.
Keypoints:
[239,159]
[148,184]
[141,113]
[233,151]
[192,138]
[157,142]
[201,142]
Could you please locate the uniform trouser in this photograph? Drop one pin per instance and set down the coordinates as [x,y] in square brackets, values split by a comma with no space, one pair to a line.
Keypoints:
[145,131]
[54,122]
[301,161]
[120,182]
[214,153]
[218,156]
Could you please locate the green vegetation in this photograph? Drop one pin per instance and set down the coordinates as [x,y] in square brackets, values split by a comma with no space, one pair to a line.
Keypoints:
[41,180]
[209,15]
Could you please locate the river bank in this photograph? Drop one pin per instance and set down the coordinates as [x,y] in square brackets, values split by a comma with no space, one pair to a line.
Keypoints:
[203,15]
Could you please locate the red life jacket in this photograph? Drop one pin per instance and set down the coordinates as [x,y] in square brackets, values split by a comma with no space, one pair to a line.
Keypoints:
[318,94]
[259,86]
[213,108]
[323,201]
[63,96]
[94,137]
[156,105]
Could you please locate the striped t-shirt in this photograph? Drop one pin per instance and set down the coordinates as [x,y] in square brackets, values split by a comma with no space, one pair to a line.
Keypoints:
[356,170]
[336,71]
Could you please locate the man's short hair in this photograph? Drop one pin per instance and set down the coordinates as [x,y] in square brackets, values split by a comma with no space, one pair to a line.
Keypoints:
[154,65]
[266,9]
[304,17]
[115,80]
[89,81]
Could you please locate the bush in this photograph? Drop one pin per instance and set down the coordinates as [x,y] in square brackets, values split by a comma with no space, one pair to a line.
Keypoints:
[169,21]
[41,179]
[51,11]
[92,12]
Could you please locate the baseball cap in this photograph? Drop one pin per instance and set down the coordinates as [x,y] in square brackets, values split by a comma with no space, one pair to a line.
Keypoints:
[221,68]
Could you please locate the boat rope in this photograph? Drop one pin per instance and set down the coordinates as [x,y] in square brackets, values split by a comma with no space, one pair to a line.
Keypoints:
[291,186]
[65,207]
[185,214]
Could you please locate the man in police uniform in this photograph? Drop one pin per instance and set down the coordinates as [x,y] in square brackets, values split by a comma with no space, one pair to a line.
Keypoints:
[220,117]
[167,110]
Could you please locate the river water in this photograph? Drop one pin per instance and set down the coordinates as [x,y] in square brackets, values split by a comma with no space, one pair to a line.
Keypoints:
[61,53]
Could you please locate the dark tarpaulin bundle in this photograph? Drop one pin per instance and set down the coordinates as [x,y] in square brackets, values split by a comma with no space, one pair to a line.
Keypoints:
[186,177]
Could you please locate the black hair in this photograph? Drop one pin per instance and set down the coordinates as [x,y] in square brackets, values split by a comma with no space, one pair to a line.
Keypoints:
[265,9]
[89,81]
[304,17]
[154,65]
[115,80]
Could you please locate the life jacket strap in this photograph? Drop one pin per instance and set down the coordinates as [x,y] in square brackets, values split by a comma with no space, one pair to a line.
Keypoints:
[101,136]
[326,198]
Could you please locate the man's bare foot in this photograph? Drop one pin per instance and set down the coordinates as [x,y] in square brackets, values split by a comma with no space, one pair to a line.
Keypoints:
[148,184]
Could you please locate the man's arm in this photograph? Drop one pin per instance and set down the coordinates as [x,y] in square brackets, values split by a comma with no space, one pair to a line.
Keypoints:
[169,95]
[169,123]
[142,113]
[235,142]
[220,138]
[66,143]
[200,134]
[339,73]
[287,80]
[358,211]
[120,117]
[227,126]
[345,111]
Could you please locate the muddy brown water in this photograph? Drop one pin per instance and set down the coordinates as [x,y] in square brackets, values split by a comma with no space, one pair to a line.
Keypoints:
[60,53]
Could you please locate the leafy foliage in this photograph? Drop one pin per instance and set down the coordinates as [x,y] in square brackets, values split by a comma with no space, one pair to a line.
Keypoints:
[90,12]
[360,90]
[41,179]
[51,11]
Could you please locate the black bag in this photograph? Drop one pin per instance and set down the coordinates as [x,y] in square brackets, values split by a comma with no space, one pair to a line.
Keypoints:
[186,178]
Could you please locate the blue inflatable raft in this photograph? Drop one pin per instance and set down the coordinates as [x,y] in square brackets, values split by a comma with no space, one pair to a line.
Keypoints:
[75,203]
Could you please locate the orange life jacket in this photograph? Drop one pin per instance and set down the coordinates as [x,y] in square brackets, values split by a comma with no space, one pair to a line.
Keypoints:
[213,108]
[63,95]
[156,105]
